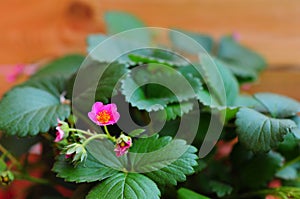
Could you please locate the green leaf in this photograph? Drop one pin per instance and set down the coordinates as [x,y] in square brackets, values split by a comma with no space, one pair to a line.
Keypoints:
[287,173]
[296,131]
[179,40]
[243,74]
[120,21]
[140,88]
[125,186]
[260,169]
[136,132]
[234,53]
[3,165]
[89,171]
[220,188]
[259,132]
[117,22]
[96,81]
[28,111]
[165,162]
[277,105]
[174,110]
[138,59]
[64,66]
[94,40]
[184,193]
[249,101]
[223,86]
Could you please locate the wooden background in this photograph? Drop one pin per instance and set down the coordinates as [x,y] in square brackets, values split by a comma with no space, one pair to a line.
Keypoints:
[35,30]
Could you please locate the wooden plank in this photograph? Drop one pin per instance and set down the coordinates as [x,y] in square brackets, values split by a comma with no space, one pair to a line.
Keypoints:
[35,29]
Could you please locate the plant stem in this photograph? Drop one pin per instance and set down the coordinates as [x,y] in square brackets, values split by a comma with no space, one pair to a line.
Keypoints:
[31,178]
[108,134]
[293,161]
[10,157]
[81,131]
[101,136]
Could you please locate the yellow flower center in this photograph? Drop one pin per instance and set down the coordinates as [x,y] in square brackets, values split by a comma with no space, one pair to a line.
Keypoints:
[122,144]
[103,117]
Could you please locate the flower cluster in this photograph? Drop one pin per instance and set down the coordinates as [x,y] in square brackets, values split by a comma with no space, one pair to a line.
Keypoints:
[102,115]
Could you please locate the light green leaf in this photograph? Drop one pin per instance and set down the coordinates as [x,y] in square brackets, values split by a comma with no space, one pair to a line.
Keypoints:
[287,173]
[296,131]
[64,66]
[28,111]
[125,186]
[234,53]
[277,105]
[243,74]
[89,171]
[259,132]
[120,21]
[94,40]
[220,188]
[180,41]
[136,132]
[184,193]
[249,101]
[117,22]
[142,59]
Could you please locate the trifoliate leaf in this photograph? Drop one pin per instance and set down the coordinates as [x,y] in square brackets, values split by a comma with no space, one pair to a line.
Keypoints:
[179,40]
[259,132]
[140,88]
[88,171]
[64,66]
[184,193]
[125,186]
[163,160]
[28,111]
[234,53]
[277,105]
[220,188]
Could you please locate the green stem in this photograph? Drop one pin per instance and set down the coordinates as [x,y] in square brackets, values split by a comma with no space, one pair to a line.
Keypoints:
[293,161]
[108,134]
[31,178]
[10,157]
[101,136]
[81,131]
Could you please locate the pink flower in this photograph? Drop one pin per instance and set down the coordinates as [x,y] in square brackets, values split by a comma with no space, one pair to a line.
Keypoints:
[104,115]
[62,129]
[123,144]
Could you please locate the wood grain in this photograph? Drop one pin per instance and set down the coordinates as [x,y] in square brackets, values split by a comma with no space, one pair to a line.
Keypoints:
[32,30]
